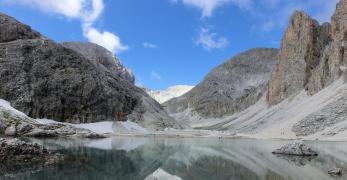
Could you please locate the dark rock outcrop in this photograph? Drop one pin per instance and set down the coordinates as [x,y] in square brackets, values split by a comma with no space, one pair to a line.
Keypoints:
[311,57]
[102,58]
[44,79]
[230,87]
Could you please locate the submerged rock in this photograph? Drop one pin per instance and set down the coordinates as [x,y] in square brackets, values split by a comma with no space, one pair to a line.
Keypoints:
[335,171]
[296,149]
[15,152]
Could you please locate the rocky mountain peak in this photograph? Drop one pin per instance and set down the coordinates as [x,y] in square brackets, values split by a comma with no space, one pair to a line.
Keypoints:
[102,58]
[11,29]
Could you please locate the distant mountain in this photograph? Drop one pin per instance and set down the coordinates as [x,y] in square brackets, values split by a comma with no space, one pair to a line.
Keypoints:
[227,89]
[45,79]
[164,95]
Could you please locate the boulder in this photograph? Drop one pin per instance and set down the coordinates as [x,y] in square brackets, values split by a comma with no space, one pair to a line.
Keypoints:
[295,149]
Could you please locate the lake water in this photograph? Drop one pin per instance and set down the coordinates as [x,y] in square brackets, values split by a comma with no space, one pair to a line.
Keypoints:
[188,159]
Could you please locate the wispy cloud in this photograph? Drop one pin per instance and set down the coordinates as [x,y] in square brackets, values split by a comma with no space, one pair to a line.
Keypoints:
[156,76]
[149,45]
[208,7]
[210,40]
[269,14]
[87,11]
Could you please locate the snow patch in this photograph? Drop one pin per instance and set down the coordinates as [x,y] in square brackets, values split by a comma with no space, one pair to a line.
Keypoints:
[104,127]
[172,92]
[7,106]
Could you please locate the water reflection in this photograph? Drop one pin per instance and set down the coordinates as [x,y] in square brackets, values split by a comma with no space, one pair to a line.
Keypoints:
[189,159]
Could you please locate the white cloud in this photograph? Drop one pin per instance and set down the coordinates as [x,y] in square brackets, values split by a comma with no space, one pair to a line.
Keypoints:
[209,6]
[149,45]
[68,8]
[106,39]
[156,76]
[210,40]
[87,11]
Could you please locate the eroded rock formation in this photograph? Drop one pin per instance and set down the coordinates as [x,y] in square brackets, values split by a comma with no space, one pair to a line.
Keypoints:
[311,57]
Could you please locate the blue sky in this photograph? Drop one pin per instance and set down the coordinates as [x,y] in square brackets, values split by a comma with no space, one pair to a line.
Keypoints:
[167,42]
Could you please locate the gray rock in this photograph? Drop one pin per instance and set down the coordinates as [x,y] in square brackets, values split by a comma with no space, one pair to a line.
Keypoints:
[230,87]
[335,171]
[295,149]
[44,79]
[102,58]
[10,131]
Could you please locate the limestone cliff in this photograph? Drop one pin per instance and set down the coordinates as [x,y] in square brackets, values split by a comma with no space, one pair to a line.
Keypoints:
[311,57]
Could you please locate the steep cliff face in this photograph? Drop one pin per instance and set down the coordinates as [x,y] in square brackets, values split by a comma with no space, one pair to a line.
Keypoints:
[44,79]
[102,58]
[300,52]
[311,57]
[230,87]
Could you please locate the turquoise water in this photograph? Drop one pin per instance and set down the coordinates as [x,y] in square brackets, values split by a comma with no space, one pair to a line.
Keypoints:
[188,159]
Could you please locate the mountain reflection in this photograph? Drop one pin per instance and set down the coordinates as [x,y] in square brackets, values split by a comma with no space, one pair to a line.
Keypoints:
[188,159]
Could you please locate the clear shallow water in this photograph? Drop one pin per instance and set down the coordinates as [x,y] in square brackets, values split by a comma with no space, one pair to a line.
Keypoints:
[189,159]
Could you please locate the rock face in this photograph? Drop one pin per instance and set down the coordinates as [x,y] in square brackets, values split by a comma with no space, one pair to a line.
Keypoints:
[311,57]
[296,149]
[44,79]
[171,92]
[230,87]
[102,58]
